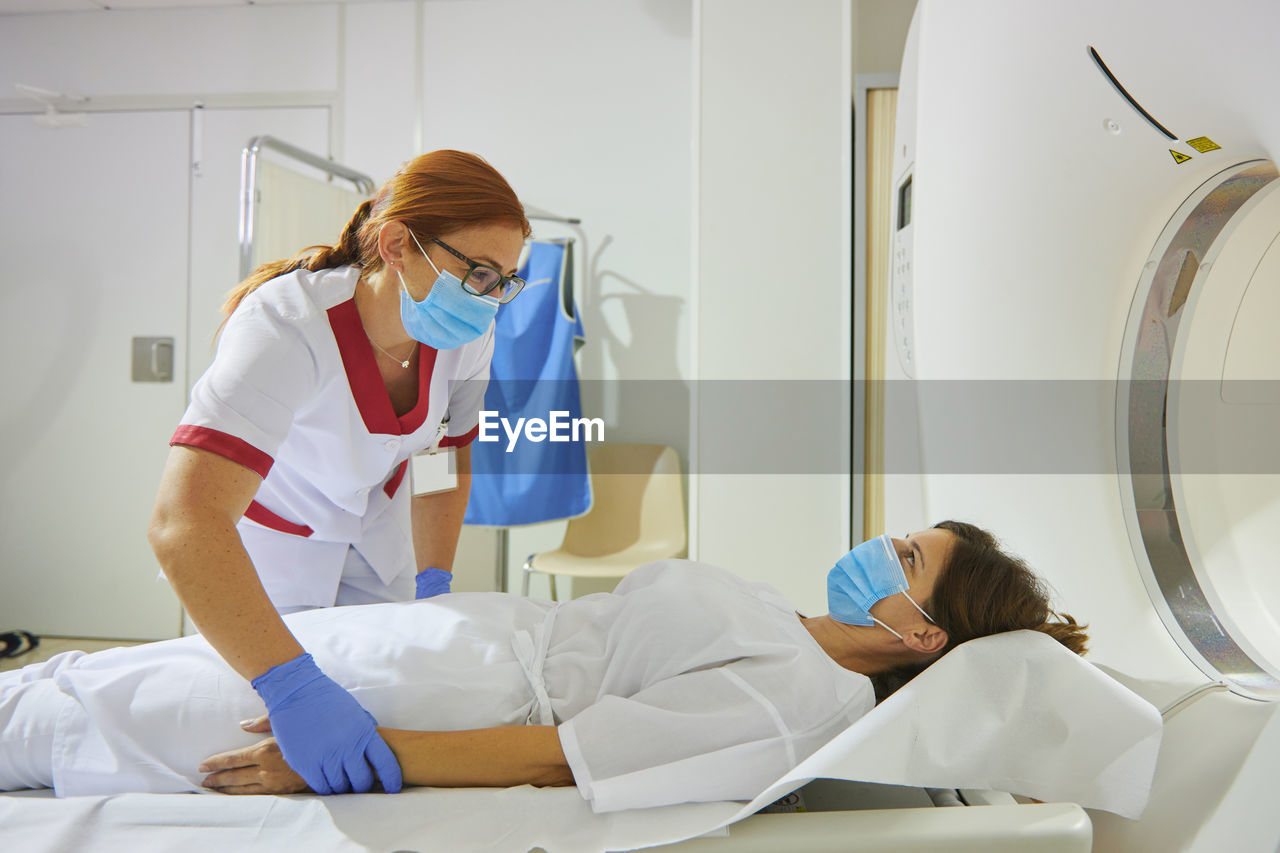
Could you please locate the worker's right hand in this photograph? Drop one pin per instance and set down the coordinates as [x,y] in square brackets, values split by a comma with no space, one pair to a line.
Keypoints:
[323,732]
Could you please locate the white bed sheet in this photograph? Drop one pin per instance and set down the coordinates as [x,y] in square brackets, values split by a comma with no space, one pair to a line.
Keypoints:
[514,820]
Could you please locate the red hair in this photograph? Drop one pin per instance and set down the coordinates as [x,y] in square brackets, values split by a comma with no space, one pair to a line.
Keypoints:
[432,194]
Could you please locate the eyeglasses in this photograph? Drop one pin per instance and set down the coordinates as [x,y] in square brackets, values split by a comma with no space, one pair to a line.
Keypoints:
[484,280]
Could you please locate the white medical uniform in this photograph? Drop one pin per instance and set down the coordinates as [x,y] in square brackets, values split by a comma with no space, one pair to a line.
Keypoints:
[295,394]
[685,684]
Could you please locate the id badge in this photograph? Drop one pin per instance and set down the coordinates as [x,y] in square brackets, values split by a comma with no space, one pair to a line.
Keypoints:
[431,470]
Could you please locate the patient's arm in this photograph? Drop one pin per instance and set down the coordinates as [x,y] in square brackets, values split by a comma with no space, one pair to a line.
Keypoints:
[496,757]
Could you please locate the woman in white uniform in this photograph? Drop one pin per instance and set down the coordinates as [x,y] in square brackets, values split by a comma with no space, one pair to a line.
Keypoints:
[285,487]
[685,684]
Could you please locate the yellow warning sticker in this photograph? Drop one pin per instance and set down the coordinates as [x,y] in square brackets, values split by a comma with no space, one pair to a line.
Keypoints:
[1203,144]
[1179,157]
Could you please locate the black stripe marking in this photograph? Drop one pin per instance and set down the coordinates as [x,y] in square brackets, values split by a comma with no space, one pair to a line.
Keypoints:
[1116,83]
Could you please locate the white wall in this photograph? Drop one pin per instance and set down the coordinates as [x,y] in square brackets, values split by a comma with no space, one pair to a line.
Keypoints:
[879,34]
[774,290]
[170,51]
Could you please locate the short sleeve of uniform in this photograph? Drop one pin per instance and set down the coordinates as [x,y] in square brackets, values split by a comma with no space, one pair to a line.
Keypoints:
[243,406]
[466,393]
[713,734]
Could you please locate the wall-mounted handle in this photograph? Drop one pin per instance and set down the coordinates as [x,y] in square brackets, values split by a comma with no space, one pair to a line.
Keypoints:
[162,359]
[153,359]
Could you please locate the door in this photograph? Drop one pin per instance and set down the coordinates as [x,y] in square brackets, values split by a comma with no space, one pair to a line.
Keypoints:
[119,229]
[94,231]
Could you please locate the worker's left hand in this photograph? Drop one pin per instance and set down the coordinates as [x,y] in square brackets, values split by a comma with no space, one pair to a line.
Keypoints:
[257,769]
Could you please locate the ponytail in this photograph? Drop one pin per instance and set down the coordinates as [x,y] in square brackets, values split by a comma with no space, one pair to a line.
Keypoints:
[313,258]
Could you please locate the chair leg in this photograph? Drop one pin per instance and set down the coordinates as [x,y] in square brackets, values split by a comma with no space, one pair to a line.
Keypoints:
[529,569]
[526,570]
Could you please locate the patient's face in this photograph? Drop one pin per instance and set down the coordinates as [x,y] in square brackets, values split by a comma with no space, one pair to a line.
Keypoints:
[923,555]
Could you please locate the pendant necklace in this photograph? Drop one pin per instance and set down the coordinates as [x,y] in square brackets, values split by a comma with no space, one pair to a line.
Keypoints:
[403,362]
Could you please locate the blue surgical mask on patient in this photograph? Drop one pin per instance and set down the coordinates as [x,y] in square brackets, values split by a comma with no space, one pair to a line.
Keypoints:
[865,575]
[449,316]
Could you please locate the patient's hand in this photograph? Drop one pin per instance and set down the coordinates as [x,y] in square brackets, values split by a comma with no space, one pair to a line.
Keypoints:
[257,769]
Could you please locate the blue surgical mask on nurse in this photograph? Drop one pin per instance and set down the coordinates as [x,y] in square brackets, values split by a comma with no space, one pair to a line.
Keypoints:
[448,316]
[870,572]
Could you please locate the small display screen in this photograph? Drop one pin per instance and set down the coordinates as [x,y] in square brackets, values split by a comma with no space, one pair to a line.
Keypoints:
[904,204]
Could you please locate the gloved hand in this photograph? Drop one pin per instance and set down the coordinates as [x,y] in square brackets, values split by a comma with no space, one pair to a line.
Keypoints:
[323,732]
[433,582]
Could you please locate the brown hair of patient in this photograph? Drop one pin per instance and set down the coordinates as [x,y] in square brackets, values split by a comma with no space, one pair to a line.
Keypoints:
[982,590]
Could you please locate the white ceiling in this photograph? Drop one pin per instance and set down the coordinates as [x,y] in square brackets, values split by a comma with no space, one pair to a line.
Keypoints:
[23,7]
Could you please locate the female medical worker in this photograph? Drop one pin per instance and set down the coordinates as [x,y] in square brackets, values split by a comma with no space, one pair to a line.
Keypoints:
[284,488]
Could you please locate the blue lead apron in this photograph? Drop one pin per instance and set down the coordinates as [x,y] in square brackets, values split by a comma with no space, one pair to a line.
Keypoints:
[532,375]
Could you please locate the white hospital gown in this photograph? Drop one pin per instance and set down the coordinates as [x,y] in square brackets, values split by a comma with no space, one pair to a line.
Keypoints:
[685,684]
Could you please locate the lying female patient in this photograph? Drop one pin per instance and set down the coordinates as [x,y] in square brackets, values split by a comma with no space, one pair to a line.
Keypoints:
[685,684]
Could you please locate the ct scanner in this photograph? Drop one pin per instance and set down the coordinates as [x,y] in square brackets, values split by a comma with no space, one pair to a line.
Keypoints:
[1084,358]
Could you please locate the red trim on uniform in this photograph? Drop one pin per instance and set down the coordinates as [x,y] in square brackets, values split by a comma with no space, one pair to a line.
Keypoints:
[260,514]
[228,446]
[412,419]
[393,485]
[363,377]
[365,380]
[460,440]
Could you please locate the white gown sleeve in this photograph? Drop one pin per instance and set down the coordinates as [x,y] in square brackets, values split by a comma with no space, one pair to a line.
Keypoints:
[262,374]
[723,733]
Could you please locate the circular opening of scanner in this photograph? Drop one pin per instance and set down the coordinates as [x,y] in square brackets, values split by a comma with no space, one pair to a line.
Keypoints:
[1198,417]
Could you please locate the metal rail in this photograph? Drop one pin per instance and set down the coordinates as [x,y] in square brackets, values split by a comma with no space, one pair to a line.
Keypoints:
[249,185]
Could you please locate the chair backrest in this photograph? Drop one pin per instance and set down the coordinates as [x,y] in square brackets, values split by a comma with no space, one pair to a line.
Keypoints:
[637,499]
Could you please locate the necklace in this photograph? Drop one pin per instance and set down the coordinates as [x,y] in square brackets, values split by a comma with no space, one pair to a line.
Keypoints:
[404,363]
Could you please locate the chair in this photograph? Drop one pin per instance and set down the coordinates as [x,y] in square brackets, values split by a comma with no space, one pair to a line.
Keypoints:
[636,517]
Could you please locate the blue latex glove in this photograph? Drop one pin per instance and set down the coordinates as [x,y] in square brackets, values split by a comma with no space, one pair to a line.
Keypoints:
[323,732]
[433,582]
